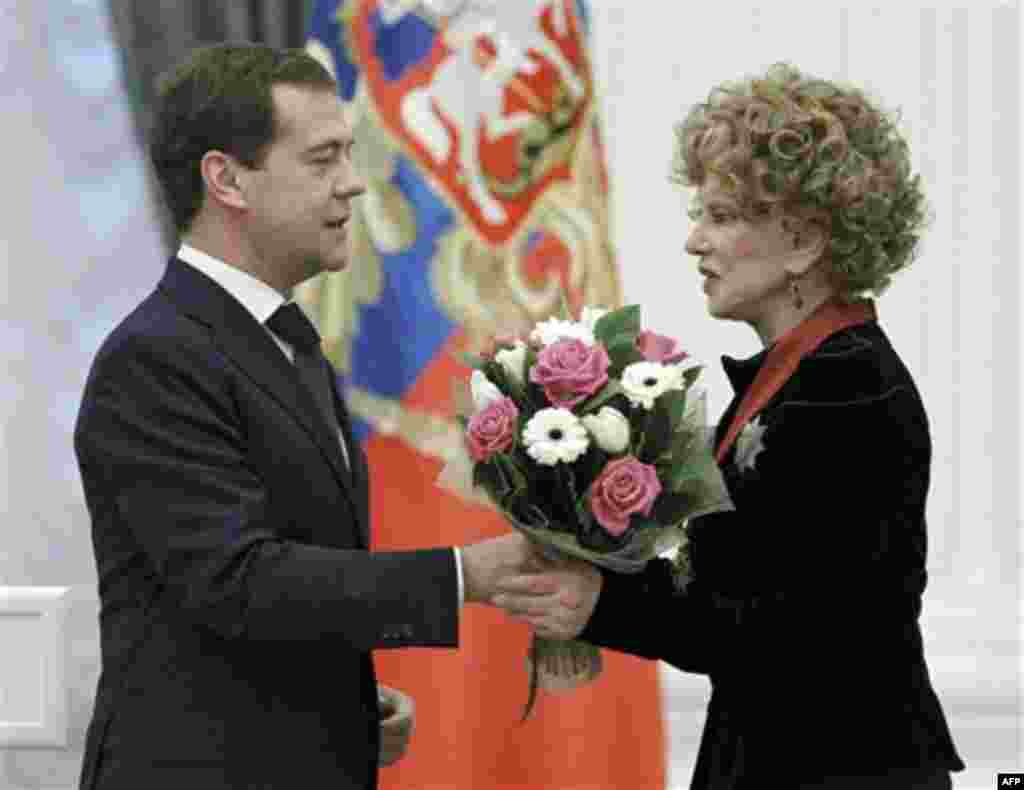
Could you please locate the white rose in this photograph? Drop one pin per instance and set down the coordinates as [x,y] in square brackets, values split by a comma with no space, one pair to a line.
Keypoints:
[610,429]
[484,390]
[644,382]
[513,360]
[554,329]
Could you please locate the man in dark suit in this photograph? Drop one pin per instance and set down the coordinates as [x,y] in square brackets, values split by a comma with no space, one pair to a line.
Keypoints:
[228,497]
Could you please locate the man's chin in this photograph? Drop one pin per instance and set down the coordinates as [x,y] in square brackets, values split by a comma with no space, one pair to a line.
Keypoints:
[336,264]
[337,259]
[316,266]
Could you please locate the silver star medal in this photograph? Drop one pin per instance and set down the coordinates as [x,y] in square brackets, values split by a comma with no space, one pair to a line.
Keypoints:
[749,444]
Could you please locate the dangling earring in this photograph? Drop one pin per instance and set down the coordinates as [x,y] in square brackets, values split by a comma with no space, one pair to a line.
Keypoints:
[798,300]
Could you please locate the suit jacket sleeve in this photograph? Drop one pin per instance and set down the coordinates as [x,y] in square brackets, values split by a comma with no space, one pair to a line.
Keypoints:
[824,552]
[163,450]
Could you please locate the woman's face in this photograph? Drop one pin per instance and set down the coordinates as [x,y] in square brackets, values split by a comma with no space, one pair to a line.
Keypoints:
[743,260]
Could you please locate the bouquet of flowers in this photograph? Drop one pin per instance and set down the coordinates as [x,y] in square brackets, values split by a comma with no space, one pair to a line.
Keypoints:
[589,436]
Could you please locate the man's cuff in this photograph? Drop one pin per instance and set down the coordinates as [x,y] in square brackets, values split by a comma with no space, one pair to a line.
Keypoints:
[458,573]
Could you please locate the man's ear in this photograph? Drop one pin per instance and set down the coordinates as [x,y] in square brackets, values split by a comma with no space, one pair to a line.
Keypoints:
[221,175]
[810,239]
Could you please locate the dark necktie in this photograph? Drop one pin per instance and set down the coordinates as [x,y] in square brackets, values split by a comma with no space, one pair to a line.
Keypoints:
[292,326]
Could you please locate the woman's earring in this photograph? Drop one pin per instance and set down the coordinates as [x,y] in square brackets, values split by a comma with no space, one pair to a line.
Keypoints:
[790,226]
[798,300]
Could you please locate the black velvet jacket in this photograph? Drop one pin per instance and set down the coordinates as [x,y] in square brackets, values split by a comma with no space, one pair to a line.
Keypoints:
[804,605]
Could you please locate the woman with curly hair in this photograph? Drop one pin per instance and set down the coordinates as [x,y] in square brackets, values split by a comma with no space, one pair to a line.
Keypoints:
[802,603]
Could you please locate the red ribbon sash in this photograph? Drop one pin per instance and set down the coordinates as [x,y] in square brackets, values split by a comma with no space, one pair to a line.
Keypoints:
[784,357]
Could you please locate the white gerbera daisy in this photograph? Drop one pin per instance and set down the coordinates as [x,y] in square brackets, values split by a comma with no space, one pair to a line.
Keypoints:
[644,382]
[554,435]
[554,329]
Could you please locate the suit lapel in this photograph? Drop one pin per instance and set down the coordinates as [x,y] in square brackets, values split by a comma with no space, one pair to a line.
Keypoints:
[248,344]
[741,373]
[357,461]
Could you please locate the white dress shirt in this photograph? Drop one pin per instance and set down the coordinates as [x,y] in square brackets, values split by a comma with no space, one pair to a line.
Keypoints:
[261,301]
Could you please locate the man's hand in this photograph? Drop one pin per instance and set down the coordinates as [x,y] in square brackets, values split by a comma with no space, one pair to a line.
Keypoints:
[557,601]
[487,563]
[397,714]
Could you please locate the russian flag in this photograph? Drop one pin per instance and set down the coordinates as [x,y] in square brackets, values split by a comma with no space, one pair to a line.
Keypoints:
[436,262]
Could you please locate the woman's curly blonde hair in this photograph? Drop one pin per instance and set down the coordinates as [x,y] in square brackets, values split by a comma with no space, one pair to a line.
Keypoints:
[785,143]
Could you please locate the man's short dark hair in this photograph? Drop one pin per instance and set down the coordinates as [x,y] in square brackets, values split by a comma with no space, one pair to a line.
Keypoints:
[220,99]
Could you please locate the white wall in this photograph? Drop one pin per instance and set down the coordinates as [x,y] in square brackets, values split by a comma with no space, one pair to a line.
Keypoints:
[78,248]
[953,316]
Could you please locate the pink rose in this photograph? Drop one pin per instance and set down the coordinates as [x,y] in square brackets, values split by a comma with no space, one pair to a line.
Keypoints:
[492,429]
[624,487]
[658,348]
[570,371]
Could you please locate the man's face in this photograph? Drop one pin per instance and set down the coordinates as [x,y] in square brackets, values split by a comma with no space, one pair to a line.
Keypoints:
[298,199]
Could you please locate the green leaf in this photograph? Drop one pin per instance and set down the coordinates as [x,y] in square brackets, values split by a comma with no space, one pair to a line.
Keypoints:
[530,515]
[646,534]
[690,376]
[683,440]
[622,351]
[625,322]
[600,398]
[672,507]
[566,542]
[513,473]
[508,386]
[595,538]
[694,468]
[675,402]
